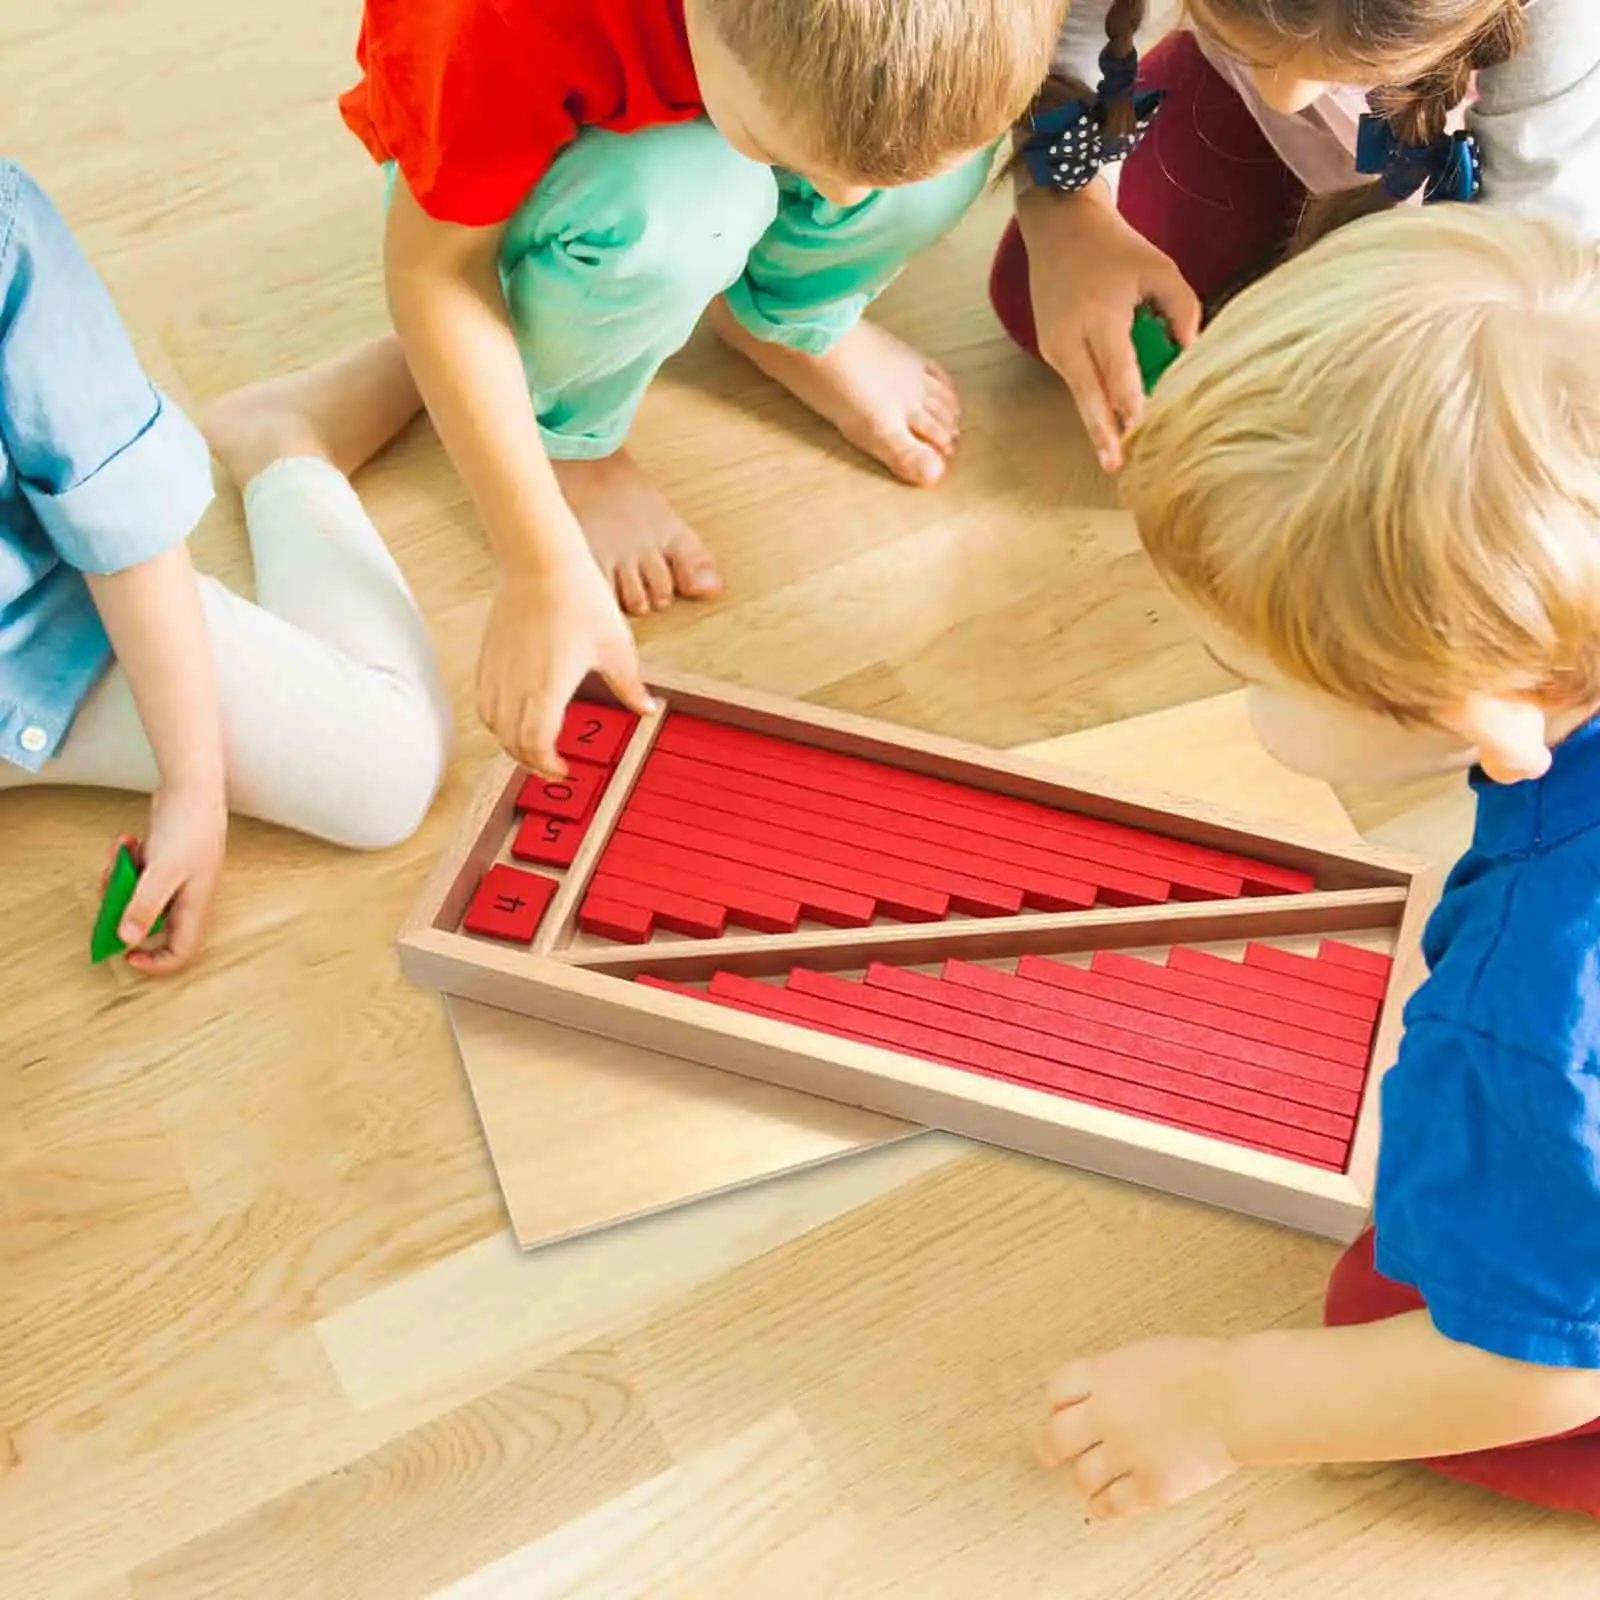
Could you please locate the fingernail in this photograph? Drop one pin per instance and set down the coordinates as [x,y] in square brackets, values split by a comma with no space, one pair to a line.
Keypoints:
[130,933]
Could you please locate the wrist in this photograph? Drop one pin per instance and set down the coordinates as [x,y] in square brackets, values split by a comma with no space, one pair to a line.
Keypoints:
[1040,208]
[1237,1390]
[198,778]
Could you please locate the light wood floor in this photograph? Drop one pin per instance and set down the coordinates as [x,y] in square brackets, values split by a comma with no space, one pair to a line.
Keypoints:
[262,1331]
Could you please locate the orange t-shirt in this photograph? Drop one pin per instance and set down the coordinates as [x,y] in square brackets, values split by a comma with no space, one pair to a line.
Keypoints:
[473,99]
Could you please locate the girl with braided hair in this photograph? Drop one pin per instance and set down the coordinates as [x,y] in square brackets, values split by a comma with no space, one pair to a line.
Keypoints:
[1252,130]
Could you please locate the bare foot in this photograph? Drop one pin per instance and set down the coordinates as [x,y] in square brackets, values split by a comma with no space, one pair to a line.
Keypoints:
[343,411]
[643,546]
[885,398]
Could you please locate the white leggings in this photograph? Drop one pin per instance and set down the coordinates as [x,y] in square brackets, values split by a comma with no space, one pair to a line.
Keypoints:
[335,722]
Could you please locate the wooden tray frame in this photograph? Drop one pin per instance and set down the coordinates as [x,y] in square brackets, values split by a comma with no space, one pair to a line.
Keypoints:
[1367,890]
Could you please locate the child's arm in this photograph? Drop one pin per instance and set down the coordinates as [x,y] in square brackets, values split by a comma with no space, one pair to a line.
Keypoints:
[1152,1423]
[1538,117]
[116,478]
[1089,273]
[554,617]
[153,617]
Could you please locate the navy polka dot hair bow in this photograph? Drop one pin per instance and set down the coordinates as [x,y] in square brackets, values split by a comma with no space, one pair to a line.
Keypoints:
[1449,167]
[1069,143]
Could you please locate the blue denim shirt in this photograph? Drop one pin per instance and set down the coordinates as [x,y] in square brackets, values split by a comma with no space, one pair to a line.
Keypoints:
[98,471]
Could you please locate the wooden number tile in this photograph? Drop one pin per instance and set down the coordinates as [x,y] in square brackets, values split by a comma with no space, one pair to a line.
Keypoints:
[552,841]
[595,733]
[508,904]
[571,798]
[1204,964]
[610,919]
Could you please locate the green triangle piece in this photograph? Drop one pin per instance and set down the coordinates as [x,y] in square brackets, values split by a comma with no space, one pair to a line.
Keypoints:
[124,879]
[1154,346]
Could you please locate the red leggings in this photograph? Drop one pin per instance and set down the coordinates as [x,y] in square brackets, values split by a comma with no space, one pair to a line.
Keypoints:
[1204,186]
[1563,1472]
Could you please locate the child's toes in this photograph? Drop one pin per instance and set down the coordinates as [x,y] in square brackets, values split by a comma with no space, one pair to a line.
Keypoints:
[632,595]
[694,573]
[656,575]
[939,382]
[936,428]
[910,458]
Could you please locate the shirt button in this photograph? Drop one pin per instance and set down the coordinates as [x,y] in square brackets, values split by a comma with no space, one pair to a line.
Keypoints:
[33,739]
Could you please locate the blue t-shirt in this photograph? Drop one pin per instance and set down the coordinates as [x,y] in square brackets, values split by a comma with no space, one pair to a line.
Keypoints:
[97,471]
[1488,1193]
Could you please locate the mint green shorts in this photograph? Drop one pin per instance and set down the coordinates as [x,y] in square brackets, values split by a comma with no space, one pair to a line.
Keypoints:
[609,263]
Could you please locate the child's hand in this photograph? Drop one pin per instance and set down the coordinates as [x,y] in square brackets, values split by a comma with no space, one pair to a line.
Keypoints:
[1089,272]
[179,867]
[1142,1427]
[546,631]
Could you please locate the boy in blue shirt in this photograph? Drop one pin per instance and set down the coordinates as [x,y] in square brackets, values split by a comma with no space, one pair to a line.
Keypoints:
[317,707]
[1376,485]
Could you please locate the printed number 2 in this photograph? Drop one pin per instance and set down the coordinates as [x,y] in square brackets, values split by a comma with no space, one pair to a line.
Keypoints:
[590,729]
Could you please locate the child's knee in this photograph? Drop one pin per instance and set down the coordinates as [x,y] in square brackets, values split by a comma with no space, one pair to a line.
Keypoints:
[626,225]
[399,788]
[910,218]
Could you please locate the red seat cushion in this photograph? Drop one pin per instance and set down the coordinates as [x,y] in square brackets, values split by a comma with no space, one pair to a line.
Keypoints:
[1563,1472]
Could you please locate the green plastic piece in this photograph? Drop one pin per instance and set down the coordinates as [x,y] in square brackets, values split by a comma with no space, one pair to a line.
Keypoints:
[1154,346]
[123,880]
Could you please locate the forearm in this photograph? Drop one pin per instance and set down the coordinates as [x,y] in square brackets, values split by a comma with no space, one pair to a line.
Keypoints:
[450,313]
[1395,1390]
[1046,216]
[157,626]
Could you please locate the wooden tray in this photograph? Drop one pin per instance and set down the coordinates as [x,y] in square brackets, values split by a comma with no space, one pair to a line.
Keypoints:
[1365,897]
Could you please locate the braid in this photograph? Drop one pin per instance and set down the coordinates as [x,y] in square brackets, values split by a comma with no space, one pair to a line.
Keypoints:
[1123,22]
[1119,112]
[1418,112]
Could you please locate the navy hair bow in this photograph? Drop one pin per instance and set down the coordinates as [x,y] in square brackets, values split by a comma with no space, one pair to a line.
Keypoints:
[1069,143]
[1449,167]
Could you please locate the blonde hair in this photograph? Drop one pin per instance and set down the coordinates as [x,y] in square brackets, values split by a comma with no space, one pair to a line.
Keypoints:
[1379,469]
[888,91]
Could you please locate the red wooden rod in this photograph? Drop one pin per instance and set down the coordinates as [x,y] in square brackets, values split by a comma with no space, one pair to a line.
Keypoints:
[1207,964]
[1087,1007]
[1174,981]
[1145,998]
[885,776]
